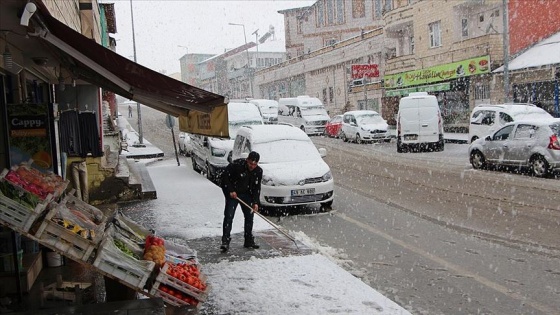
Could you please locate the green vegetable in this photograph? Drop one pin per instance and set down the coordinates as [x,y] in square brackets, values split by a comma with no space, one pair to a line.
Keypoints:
[122,246]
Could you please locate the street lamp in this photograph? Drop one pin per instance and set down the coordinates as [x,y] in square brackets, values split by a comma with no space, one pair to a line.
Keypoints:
[247,51]
[140,137]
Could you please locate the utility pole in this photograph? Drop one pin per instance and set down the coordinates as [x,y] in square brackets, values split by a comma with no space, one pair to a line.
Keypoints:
[505,37]
[248,60]
[140,135]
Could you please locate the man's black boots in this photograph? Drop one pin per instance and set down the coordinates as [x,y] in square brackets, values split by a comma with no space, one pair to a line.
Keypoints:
[250,243]
[225,246]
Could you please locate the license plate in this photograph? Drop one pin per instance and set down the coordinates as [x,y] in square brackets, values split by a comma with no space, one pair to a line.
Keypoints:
[301,192]
[410,137]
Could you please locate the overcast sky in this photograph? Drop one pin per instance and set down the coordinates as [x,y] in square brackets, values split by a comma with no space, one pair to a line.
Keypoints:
[162,26]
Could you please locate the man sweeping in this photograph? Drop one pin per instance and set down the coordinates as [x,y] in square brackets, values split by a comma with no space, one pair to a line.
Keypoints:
[241,179]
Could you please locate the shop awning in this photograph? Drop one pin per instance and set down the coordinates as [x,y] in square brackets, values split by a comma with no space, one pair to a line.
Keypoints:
[102,67]
[545,53]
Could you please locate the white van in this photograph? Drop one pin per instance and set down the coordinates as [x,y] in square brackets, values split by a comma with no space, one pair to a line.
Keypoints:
[294,172]
[269,110]
[210,155]
[419,122]
[485,119]
[306,113]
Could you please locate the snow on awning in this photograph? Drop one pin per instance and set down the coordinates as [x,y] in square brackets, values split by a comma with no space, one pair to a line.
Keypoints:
[547,52]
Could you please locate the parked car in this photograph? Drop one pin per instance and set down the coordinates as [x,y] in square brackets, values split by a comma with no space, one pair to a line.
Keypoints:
[333,127]
[269,110]
[485,119]
[210,155]
[419,123]
[294,172]
[185,144]
[364,126]
[307,113]
[526,143]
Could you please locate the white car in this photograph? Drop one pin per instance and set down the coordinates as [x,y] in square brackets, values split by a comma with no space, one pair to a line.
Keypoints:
[294,172]
[364,126]
[532,144]
[185,144]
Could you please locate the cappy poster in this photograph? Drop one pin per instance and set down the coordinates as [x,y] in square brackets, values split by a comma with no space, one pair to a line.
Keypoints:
[28,133]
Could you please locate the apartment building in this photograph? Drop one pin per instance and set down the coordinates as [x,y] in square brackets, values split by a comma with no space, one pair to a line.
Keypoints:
[446,48]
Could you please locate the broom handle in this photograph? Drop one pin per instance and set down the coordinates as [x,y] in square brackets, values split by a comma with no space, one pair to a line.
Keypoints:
[267,220]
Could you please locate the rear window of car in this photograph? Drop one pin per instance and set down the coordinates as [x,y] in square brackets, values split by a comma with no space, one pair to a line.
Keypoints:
[525,131]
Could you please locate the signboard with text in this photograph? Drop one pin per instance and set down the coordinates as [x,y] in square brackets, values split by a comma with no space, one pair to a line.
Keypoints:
[365,71]
[454,70]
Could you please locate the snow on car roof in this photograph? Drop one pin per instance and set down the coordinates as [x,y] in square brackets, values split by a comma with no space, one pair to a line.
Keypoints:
[243,112]
[362,112]
[269,133]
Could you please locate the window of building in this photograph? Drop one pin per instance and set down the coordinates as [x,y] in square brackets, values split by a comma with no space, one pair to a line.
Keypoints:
[358,8]
[329,12]
[435,34]
[464,27]
[482,92]
[300,25]
[320,14]
[330,41]
[378,10]
[411,41]
[340,11]
[325,95]
[331,94]
[481,18]
[299,52]
[388,5]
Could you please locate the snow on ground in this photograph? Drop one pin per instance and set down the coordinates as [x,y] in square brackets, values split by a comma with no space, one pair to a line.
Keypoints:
[189,206]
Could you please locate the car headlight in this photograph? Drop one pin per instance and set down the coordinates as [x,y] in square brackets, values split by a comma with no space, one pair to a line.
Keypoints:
[267,181]
[327,176]
[218,152]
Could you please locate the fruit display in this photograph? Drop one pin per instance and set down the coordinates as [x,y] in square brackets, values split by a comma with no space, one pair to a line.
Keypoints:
[187,273]
[177,296]
[125,249]
[154,250]
[79,217]
[36,182]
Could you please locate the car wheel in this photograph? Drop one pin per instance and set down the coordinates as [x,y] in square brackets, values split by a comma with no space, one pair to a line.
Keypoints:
[343,137]
[194,166]
[539,166]
[358,139]
[399,146]
[387,140]
[477,160]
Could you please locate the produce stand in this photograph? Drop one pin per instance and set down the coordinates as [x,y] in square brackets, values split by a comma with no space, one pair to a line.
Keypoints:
[118,248]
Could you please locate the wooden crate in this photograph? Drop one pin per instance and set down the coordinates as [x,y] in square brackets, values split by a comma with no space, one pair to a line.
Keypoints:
[18,216]
[128,270]
[65,241]
[32,266]
[173,301]
[164,278]
[65,290]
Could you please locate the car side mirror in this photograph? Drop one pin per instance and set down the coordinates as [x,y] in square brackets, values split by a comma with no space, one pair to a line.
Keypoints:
[229,158]
[322,152]
[488,138]
[205,142]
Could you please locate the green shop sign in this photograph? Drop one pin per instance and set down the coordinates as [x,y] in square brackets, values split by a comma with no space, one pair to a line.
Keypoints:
[468,67]
[446,86]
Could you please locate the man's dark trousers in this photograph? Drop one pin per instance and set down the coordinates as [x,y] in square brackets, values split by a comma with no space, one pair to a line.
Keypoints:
[229,212]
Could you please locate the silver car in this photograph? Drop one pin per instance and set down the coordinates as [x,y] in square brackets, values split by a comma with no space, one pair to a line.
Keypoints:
[528,143]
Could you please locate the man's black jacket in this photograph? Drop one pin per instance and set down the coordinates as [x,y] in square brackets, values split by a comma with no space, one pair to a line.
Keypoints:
[238,178]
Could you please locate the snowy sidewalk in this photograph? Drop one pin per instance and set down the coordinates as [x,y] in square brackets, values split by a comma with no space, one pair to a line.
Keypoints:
[243,281]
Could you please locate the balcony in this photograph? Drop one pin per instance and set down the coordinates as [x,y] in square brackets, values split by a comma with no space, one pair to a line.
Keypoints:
[400,64]
[398,20]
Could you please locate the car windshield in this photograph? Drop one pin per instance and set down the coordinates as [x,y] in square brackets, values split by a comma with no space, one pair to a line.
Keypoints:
[235,125]
[286,151]
[369,119]
[313,110]
[269,109]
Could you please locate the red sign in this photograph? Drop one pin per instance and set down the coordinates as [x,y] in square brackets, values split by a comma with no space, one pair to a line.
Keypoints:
[368,71]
